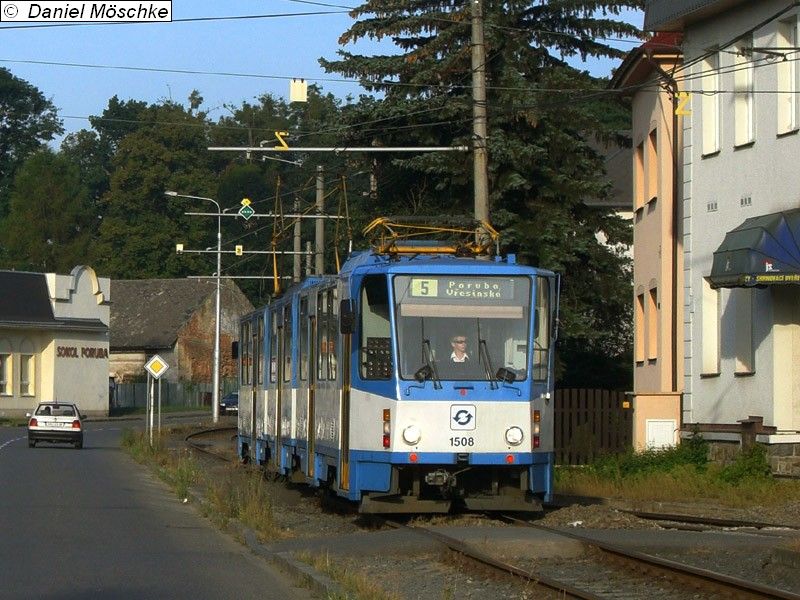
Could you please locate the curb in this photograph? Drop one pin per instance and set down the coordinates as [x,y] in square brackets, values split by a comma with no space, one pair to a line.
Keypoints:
[300,571]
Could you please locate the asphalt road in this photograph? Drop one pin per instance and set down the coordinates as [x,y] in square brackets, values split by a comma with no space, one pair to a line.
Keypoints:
[92,522]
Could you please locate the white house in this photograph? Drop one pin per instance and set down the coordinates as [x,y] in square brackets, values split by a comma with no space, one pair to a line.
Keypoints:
[53,340]
[741,219]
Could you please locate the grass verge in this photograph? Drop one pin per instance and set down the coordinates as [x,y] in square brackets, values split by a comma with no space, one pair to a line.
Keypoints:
[356,585]
[238,494]
[683,474]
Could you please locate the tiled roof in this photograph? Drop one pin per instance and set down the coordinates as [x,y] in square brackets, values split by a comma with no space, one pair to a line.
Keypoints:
[146,314]
[24,298]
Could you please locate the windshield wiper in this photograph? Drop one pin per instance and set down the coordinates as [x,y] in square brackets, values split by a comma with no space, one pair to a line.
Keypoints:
[428,370]
[483,351]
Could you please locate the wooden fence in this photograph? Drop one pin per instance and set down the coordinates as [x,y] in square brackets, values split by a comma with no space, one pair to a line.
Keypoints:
[590,423]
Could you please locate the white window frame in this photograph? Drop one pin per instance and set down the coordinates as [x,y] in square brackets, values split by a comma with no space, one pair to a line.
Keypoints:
[709,118]
[743,95]
[5,374]
[639,332]
[744,351]
[652,317]
[652,165]
[710,339]
[27,374]
[640,185]
[786,113]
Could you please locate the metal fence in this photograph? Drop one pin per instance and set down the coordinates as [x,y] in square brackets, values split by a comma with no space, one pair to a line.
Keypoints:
[134,395]
[590,423]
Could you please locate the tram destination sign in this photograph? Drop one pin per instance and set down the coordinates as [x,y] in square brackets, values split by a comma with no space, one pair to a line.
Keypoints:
[462,288]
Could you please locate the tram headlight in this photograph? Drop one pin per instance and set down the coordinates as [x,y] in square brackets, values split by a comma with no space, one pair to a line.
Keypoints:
[412,434]
[514,436]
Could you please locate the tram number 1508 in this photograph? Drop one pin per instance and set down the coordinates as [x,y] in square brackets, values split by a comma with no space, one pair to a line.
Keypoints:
[462,441]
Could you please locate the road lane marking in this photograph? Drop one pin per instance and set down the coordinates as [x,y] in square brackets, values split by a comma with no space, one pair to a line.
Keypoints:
[11,442]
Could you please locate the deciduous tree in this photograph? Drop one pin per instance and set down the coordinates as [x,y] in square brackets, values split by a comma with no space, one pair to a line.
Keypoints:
[28,120]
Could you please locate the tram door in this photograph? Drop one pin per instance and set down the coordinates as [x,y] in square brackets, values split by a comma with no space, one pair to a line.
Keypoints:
[344,372]
[284,420]
[302,402]
[247,389]
[310,325]
[273,393]
[257,339]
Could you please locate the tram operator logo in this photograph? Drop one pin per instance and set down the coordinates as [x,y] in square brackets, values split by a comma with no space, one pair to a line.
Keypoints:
[462,417]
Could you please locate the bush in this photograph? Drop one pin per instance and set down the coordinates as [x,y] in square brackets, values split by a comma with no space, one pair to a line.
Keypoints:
[691,452]
[749,464]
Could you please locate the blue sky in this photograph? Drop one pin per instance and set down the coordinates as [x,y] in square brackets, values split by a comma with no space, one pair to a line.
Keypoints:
[286,46]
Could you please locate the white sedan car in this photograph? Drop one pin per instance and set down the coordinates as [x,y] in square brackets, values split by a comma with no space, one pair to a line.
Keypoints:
[55,422]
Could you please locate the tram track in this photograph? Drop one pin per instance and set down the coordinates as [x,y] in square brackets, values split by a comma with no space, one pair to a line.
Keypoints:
[701,579]
[602,571]
[193,442]
[665,519]
[609,571]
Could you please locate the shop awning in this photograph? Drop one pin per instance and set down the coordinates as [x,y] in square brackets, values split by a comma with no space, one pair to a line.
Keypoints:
[761,251]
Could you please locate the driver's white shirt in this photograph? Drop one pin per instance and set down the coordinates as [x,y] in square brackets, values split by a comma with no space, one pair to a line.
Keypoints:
[455,358]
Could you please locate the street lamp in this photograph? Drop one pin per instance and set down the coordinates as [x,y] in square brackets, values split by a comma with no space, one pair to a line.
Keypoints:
[215,394]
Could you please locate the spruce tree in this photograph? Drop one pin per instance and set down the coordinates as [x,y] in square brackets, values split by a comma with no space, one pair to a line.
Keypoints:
[544,117]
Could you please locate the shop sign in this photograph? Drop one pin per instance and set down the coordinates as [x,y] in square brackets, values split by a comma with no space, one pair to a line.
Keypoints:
[82,352]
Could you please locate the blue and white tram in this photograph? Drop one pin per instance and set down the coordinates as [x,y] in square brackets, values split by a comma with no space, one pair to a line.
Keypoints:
[347,381]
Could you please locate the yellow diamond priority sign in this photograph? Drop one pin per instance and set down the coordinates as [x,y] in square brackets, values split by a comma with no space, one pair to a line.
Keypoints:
[156,366]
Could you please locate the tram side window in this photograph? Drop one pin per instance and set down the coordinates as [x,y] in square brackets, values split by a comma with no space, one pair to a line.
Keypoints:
[287,343]
[542,327]
[302,334]
[323,312]
[376,345]
[273,347]
[258,366]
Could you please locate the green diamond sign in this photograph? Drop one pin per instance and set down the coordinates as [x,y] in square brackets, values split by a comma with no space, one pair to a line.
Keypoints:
[246,211]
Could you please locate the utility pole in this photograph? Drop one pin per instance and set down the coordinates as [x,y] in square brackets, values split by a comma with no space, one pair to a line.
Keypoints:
[479,119]
[319,263]
[297,258]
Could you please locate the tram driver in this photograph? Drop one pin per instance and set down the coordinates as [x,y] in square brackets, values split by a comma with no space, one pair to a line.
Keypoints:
[459,345]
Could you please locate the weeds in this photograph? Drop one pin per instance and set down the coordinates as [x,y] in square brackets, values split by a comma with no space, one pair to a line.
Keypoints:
[177,469]
[679,474]
[352,581]
[245,497]
[240,494]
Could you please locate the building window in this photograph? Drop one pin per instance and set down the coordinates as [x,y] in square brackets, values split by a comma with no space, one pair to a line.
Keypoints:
[652,166]
[710,334]
[710,105]
[639,328]
[639,187]
[26,375]
[5,374]
[743,93]
[787,77]
[743,331]
[652,324]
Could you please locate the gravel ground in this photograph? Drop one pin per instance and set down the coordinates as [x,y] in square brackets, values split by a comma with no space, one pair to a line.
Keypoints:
[409,575]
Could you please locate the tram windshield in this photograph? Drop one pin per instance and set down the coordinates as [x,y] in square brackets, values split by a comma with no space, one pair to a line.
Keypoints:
[462,327]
